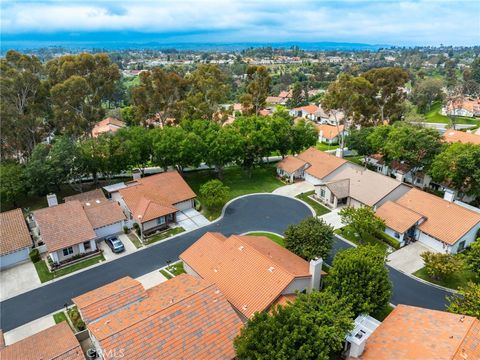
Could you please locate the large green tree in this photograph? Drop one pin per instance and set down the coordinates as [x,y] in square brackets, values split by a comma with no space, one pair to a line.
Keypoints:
[359,275]
[472,257]
[312,327]
[362,221]
[310,239]
[12,182]
[459,165]
[467,301]
[439,265]
[258,86]
[358,140]
[214,194]
[426,92]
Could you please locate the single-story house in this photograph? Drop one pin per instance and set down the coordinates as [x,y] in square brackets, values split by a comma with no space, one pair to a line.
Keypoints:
[154,201]
[468,107]
[253,272]
[57,342]
[73,228]
[330,134]
[439,224]
[453,136]
[275,100]
[356,186]
[331,117]
[16,242]
[410,333]
[306,112]
[109,125]
[182,318]
[311,165]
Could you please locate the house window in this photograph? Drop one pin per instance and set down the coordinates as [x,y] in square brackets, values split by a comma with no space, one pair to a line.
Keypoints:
[170,217]
[461,245]
[68,251]
[161,220]
[397,235]
[87,245]
[322,193]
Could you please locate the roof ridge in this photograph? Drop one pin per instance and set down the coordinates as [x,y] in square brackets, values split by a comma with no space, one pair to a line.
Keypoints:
[406,208]
[125,288]
[159,310]
[466,333]
[265,256]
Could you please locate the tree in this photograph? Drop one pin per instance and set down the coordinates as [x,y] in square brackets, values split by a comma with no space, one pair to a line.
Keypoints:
[136,146]
[472,257]
[12,182]
[388,86]
[362,221]
[168,146]
[467,301]
[426,92]
[475,69]
[81,85]
[459,165]
[207,90]
[23,98]
[297,98]
[312,327]
[439,266]
[359,276]
[304,135]
[359,141]
[471,88]
[258,86]
[214,194]
[310,239]
[223,147]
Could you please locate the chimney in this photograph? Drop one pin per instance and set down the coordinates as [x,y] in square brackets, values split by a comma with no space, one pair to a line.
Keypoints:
[449,195]
[52,200]
[356,340]
[316,272]
[136,174]
[399,176]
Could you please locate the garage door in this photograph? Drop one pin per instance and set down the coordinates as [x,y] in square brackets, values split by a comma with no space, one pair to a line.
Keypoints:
[11,259]
[184,205]
[312,179]
[109,230]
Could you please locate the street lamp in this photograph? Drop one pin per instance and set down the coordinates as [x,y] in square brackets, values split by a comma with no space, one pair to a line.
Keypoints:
[141,226]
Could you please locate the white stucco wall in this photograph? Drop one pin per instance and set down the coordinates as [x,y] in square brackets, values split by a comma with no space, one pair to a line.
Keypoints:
[298,284]
[312,179]
[469,237]
[392,232]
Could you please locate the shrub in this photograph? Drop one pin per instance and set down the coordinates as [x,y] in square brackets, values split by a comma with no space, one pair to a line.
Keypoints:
[214,194]
[389,240]
[438,265]
[125,230]
[76,319]
[35,255]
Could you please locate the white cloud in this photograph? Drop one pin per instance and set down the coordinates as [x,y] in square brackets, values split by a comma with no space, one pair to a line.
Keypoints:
[393,22]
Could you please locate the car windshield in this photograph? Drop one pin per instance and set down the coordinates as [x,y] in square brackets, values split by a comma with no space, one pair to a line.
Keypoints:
[117,243]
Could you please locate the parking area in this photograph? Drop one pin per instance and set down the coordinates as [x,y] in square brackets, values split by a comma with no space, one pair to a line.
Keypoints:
[408,259]
[191,219]
[18,279]
[110,255]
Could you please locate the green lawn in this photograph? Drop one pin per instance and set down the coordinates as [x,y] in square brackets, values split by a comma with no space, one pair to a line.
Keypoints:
[59,317]
[454,281]
[323,147]
[435,116]
[348,234]
[355,159]
[134,239]
[263,179]
[381,314]
[45,275]
[319,209]
[276,238]
[164,235]
[176,269]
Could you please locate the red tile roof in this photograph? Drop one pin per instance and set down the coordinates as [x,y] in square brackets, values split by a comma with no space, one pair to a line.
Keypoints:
[108,125]
[321,163]
[182,318]
[310,109]
[453,136]
[290,164]
[102,301]
[329,131]
[397,217]
[57,342]
[251,271]
[13,232]
[103,212]
[64,225]
[154,196]
[83,197]
[412,333]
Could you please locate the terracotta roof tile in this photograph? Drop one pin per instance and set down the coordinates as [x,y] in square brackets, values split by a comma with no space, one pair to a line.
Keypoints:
[92,195]
[291,164]
[103,212]
[397,217]
[446,221]
[470,347]
[102,301]
[310,109]
[156,195]
[412,333]
[329,131]
[453,136]
[251,271]
[13,232]
[108,125]
[64,225]
[321,163]
[57,342]
[182,318]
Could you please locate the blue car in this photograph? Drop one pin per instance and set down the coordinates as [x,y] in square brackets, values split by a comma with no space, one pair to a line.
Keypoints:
[115,244]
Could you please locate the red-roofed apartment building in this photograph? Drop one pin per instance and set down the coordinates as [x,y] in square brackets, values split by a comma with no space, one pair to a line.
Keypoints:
[253,272]
[154,201]
[182,318]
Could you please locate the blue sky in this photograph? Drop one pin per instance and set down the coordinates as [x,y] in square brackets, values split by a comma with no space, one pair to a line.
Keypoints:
[386,22]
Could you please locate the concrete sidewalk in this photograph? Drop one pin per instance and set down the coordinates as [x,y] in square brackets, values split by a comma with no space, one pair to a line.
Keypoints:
[333,218]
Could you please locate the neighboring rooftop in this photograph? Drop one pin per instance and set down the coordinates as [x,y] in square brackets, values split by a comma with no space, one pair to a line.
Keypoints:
[446,221]
[397,217]
[57,342]
[310,109]
[108,125]
[182,318]
[321,163]
[102,301]
[290,164]
[153,196]
[453,136]
[64,225]
[411,333]
[252,271]
[87,196]
[13,232]
[103,212]
[329,131]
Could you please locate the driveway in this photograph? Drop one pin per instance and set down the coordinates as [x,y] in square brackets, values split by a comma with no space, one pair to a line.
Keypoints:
[191,219]
[110,255]
[18,279]
[333,218]
[408,259]
[295,189]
